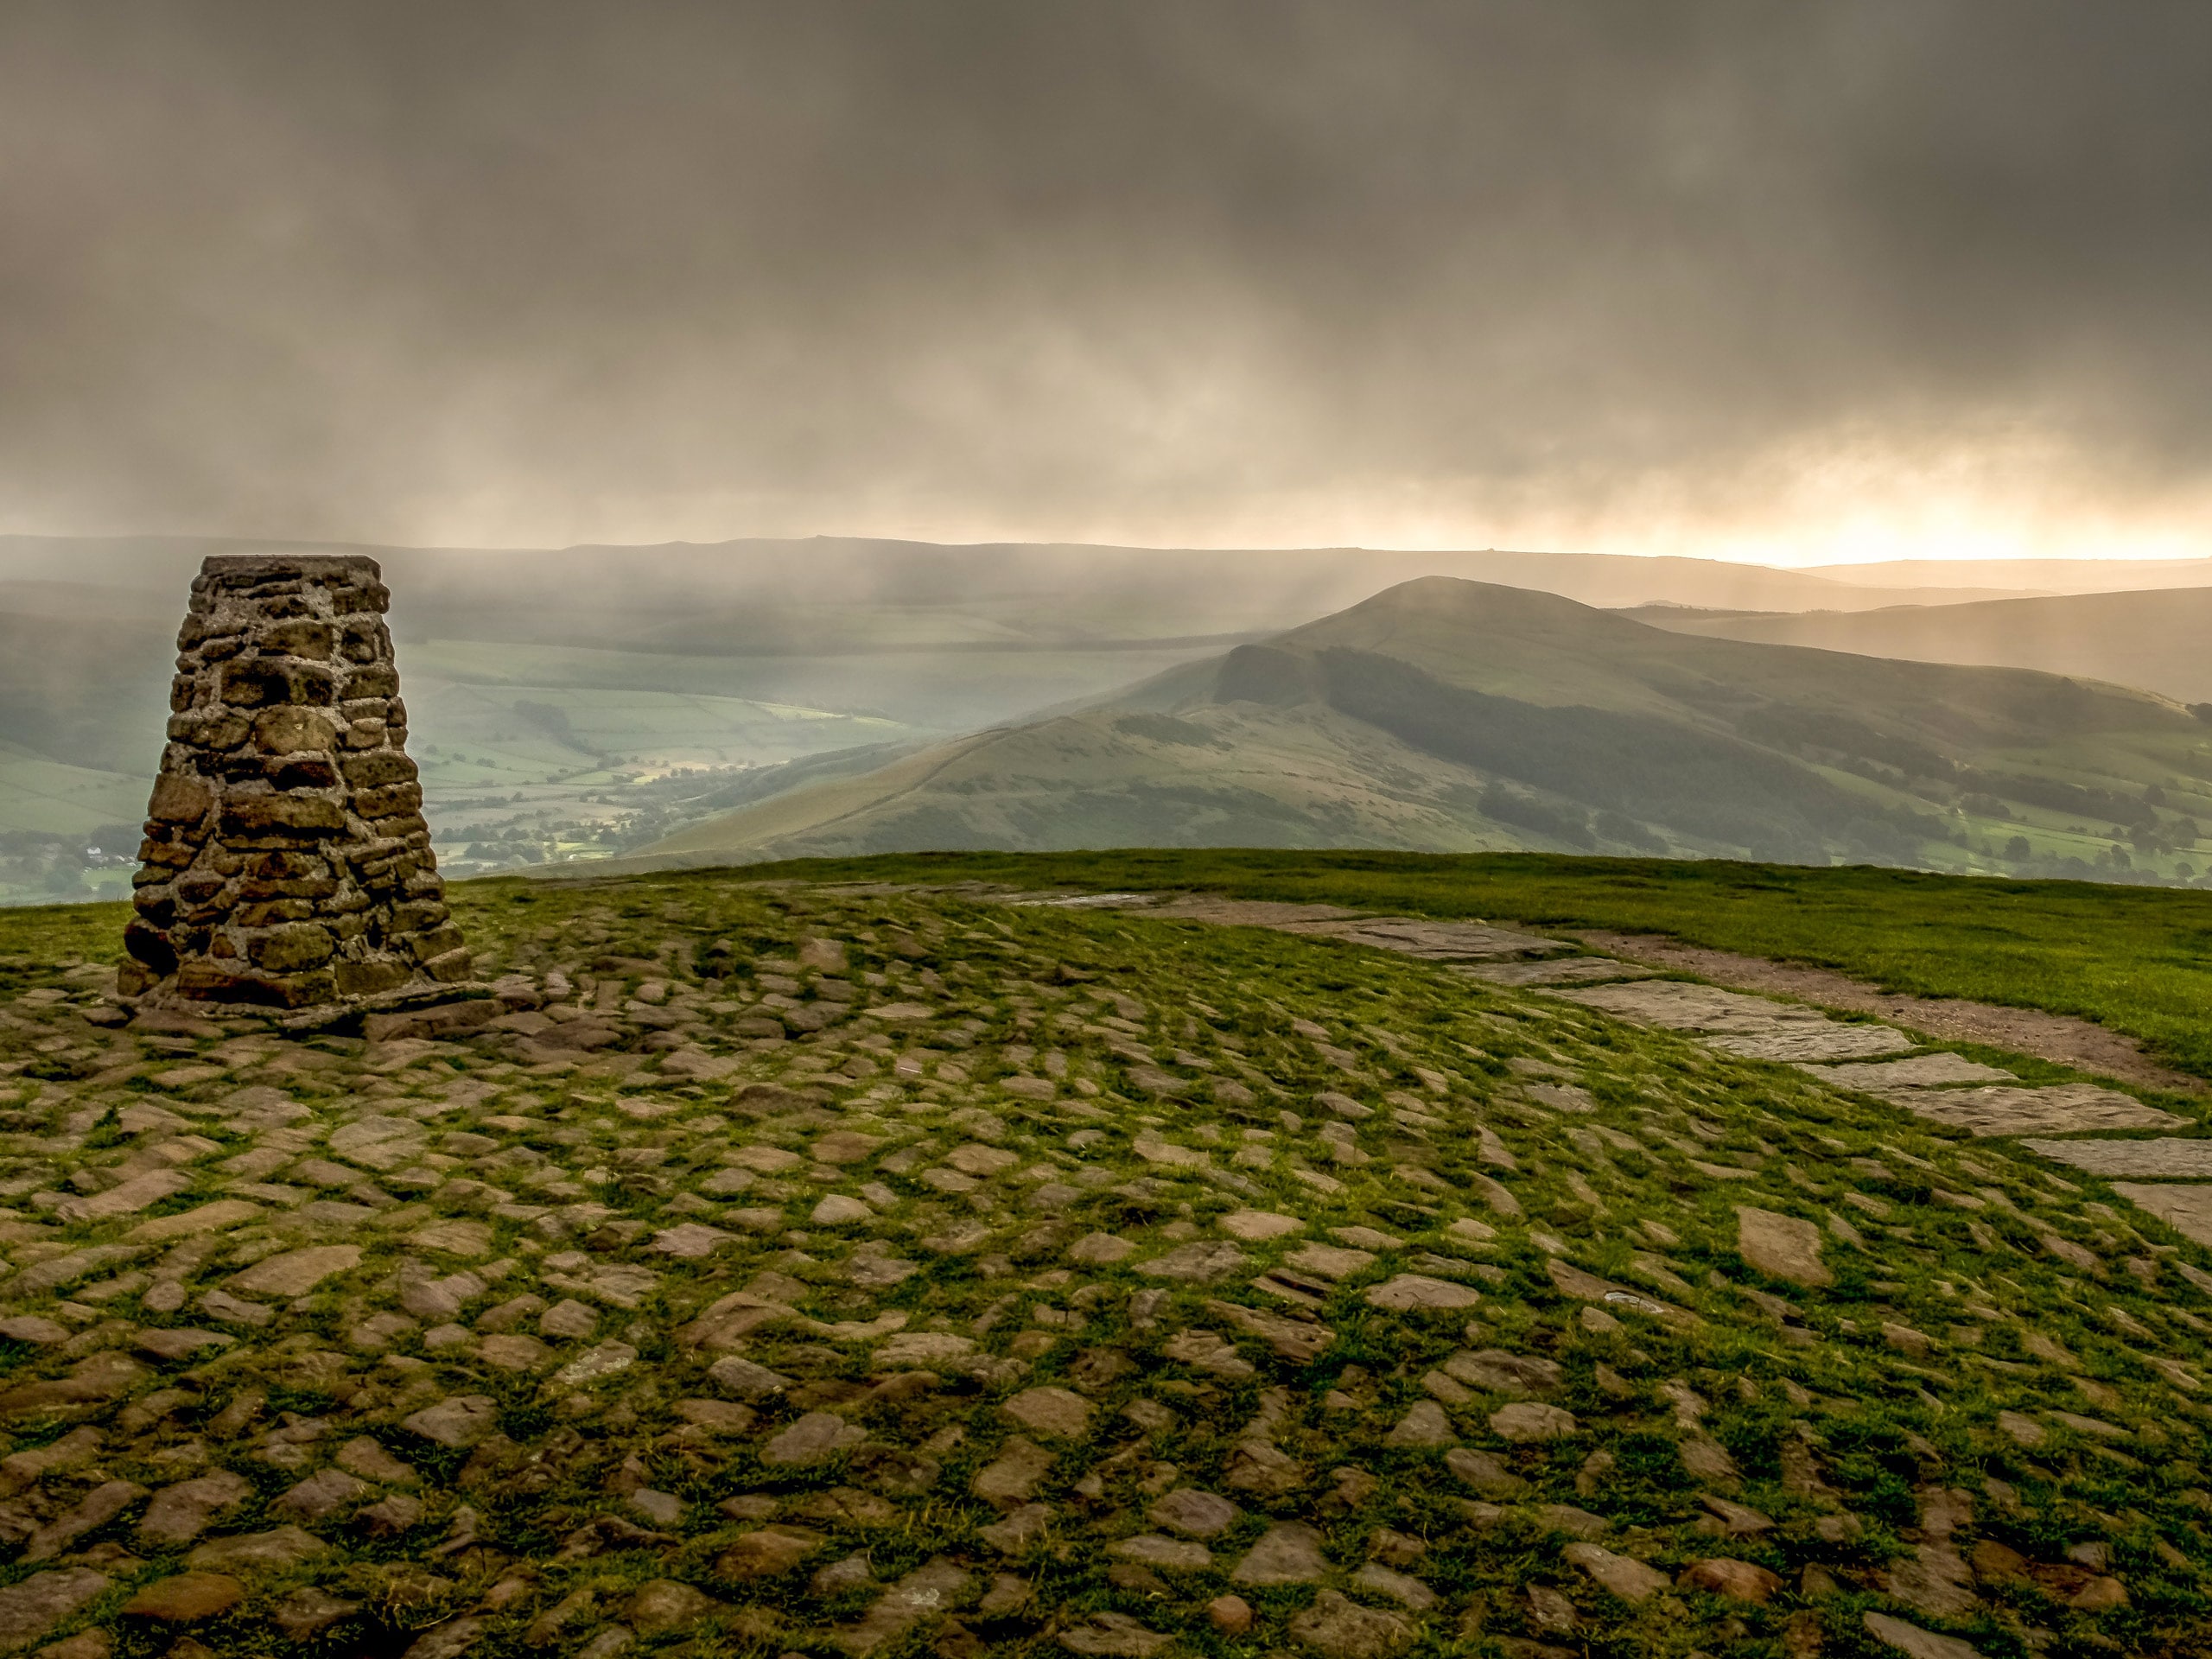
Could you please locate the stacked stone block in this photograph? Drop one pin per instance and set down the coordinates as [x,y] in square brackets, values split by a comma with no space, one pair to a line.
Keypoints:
[286,860]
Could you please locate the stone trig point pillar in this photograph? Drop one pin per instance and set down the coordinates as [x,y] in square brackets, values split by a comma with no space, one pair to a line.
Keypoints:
[286,861]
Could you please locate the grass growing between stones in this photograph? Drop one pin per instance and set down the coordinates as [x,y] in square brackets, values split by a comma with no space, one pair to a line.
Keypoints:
[861,1271]
[2136,959]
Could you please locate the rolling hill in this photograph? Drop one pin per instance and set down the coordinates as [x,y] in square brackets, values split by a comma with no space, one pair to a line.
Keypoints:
[573,702]
[1455,715]
[2155,639]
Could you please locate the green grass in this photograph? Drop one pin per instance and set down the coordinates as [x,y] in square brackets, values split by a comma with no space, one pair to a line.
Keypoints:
[2138,960]
[1431,1055]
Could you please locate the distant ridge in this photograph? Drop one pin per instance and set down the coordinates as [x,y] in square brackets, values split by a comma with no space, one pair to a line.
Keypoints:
[1443,714]
[2159,640]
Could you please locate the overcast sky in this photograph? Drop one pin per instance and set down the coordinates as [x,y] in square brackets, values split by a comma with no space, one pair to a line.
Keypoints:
[1791,280]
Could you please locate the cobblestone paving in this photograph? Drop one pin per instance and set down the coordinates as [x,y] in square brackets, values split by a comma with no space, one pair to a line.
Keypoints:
[859,1271]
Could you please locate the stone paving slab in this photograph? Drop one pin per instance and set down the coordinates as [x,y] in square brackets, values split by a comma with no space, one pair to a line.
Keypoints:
[1756,1028]
[1799,1041]
[1920,1072]
[2063,1109]
[1413,936]
[2174,1159]
[1680,1005]
[2187,1209]
[1434,941]
[1569,970]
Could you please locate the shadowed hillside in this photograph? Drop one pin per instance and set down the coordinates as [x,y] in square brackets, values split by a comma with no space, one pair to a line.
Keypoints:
[1453,716]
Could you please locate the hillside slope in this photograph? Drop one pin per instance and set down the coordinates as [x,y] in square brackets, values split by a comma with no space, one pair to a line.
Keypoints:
[1452,715]
[577,702]
[2157,640]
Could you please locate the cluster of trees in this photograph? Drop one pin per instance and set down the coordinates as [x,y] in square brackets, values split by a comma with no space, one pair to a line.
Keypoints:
[44,862]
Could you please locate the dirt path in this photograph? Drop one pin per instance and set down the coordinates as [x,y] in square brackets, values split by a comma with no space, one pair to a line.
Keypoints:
[2061,1039]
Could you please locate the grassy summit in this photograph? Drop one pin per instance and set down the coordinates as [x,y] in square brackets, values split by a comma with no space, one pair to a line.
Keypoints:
[852,1269]
[2138,961]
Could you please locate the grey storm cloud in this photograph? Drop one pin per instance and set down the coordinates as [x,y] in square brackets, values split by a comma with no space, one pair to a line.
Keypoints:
[391,270]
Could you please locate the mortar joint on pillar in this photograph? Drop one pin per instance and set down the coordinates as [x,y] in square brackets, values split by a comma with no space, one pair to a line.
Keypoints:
[287,864]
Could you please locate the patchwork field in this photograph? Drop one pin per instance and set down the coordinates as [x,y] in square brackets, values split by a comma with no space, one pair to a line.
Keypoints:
[864,1268]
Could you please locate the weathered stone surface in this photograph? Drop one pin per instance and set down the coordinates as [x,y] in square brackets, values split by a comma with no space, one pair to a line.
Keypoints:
[1256,1465]
[308,1613]
[286,876]
[1331,1261]
[320,1496]
[2057,1108]
[1150,1549]
[458,1420]
[1113,1636]
[469,1239]
[218,1216]
[1338,1628]
[926,1591]
[1630,1579]
[172,1343]
[1916,1644]
[1100,1250]
[691,1240]
[1781,1245]
[1299,1341]
[735,1374]
[1399,1586]
[1208,1352]
[186,1598]
[1230,1615]
[1200,1261]
[595,1363]
[1195,1514]
[95,1509]
[2169,1159]
[457,1636]
[1587,1287]
[295,1273]
[1257,1226]
[181,1513]
[1499,1372]
[1529,1421]
[817,1436]
[2187,1209]
[1050,1411]
[1290,1552]
[1412,1291]
[1011,1479]
[1721,1575]
[1484,1473]
[31,1607]
[126,1198]
[1019,1531]
[667,1605]
[1424,1425]
[1918,1072]
[1756,1028]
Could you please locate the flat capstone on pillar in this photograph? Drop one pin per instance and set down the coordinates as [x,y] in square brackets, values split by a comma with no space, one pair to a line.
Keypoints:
[287,864]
